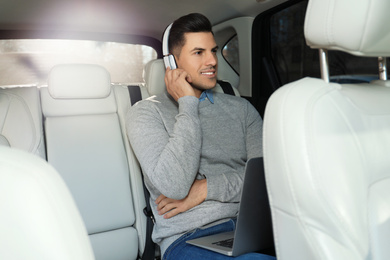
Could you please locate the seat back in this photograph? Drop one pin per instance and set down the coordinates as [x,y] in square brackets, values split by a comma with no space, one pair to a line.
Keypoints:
[85,143]
[39,218]
[21,120]
[326,145]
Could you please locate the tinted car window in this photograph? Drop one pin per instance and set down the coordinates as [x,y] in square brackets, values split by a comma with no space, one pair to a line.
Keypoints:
[293,59]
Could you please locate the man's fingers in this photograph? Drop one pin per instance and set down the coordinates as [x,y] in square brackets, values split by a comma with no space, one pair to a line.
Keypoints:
[172,213]
[159,199]
[177,82]
[165,204]
[170,207]
[166,208]
[176,209]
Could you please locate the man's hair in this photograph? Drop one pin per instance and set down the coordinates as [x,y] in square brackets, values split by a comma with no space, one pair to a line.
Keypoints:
[190,23]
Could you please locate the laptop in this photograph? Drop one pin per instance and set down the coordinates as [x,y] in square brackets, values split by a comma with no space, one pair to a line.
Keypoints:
[253,231]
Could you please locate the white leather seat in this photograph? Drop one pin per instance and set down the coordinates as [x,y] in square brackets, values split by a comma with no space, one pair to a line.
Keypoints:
[21,120]
[39,218]
[154,74]
[86,143]
[327,146]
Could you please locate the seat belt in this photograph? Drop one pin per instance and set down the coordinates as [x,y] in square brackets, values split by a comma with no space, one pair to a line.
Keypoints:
[150,246]
[135,94]
[226,87]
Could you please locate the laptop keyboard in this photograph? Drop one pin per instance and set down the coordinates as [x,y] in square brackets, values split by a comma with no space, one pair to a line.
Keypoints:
[225,243]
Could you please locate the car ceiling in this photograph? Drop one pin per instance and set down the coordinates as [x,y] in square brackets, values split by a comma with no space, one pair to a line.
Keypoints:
[131,17]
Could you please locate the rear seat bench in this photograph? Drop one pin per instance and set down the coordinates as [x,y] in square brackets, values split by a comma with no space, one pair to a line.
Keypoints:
[86,141]
[84,123]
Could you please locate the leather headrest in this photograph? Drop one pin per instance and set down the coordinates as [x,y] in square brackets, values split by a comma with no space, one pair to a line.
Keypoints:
[357,27]
[79,81]
[154,74]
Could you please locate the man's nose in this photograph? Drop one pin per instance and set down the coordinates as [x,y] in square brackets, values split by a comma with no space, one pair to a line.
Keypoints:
[211,59]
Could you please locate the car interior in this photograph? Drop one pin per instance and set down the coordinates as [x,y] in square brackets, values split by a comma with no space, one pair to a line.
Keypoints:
[316,70]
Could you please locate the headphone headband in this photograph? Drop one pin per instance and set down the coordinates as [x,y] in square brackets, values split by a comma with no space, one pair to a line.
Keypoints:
[169,59]
[165,44]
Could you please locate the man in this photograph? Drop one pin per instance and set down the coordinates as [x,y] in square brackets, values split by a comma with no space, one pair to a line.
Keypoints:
[193,144]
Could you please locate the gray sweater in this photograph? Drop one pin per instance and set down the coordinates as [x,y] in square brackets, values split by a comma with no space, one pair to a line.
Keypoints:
[176,142]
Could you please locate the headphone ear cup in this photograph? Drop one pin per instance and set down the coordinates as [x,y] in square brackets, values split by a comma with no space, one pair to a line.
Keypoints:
[169,61]
[172,62]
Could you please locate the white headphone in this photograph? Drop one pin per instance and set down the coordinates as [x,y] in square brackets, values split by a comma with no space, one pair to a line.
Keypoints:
[169,59]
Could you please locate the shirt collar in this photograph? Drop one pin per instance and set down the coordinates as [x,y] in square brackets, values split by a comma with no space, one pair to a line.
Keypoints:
[207,94]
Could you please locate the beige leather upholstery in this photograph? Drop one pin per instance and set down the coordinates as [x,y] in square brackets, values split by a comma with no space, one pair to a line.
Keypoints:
[21,120]
[327,146]
[136,184]
[39,218]
[154,74]
[86,144]
[68,82]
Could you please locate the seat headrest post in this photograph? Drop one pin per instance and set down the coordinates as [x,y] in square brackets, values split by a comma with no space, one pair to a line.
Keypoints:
[324,65]
[382,63]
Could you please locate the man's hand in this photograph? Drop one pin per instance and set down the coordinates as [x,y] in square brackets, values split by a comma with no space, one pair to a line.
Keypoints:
[170,207]
[178,83]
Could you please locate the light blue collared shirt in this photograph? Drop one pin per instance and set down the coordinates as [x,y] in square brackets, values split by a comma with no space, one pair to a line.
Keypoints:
[207,94]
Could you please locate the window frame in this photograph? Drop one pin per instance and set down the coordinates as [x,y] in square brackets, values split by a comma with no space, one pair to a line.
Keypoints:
[266,81]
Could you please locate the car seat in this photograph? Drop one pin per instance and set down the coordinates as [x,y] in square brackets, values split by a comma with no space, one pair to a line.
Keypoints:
[327,146]
[39,218]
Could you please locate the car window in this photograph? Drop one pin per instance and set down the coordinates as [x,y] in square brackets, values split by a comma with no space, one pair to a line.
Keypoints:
[231,54]
[280,54]
[29,61]
[293,59]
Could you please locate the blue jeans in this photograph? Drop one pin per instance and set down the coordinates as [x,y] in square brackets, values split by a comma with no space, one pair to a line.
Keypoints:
[181,250]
